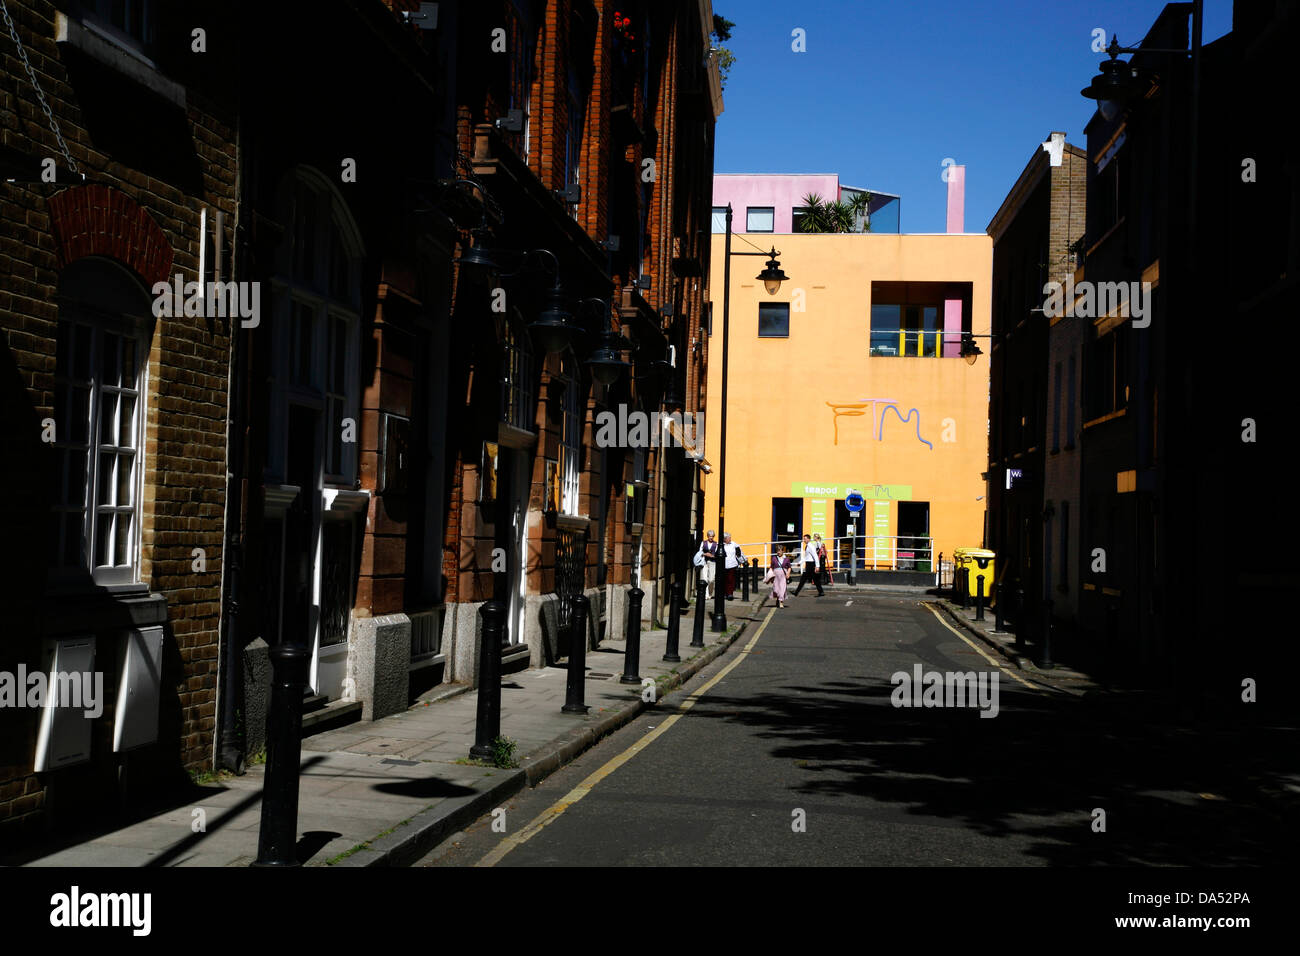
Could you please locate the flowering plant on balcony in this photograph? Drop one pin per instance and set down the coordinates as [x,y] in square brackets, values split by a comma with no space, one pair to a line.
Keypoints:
[624,35]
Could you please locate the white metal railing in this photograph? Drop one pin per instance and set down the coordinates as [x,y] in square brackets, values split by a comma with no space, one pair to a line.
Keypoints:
[874,553]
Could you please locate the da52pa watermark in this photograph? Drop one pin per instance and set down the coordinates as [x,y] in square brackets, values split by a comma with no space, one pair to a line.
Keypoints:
[637,429]
[212,300]
[948,689]
[78,690]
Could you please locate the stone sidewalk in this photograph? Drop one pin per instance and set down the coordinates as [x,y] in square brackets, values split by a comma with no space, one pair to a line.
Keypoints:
[386,792]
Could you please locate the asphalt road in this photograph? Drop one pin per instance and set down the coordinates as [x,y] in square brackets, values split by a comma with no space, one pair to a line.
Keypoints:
[797,756]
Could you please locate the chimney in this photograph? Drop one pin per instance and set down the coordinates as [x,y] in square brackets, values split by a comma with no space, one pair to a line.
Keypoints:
[956,199]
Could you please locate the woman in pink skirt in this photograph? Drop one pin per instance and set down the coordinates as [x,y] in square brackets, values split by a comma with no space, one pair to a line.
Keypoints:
[780,571]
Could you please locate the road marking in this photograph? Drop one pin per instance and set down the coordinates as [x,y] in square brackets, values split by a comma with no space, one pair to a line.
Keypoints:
[981,651]
[552,813]
[847,603]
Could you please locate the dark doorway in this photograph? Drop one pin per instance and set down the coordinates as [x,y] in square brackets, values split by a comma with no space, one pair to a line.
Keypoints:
[913,536]
[846,541]
[787,521]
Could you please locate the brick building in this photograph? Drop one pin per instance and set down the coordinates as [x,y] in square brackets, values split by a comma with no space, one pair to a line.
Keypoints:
[605,163]
[1163,535]
[114,397]
[1035,359]
[338,465]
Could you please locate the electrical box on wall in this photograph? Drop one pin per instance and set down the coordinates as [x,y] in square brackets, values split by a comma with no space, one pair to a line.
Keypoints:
[72,697]
[139,689]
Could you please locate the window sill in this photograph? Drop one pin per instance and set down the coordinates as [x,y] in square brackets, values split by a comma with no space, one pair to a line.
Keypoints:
[346,500]
[103,609]
[107,50]
[569,522]
[1110,416]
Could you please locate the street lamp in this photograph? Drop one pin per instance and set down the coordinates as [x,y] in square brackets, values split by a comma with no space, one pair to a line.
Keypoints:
[606,359]
[969,350]
[1115,84]
[553,328]
[772,277]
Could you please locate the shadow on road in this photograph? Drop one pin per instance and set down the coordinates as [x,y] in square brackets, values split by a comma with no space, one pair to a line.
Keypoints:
[1211,795]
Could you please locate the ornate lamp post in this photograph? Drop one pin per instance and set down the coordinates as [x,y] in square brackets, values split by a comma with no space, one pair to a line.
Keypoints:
[772,277]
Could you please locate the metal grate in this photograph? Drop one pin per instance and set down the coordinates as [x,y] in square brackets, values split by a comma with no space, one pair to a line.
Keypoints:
[426,635]
[570,578]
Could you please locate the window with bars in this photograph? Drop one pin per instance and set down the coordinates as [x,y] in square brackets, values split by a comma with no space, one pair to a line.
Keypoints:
[98,417]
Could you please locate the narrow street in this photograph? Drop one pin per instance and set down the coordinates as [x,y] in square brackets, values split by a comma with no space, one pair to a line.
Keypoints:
[803,721]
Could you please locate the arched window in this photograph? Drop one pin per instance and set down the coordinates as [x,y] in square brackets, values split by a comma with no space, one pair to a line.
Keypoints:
[105,325]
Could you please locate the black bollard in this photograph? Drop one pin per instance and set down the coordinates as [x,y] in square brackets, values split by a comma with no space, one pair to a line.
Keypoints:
[754,571]
[632,656]
[697,626]
[277,838]
[575,687]
[1046,662]
[965,588]
[744,583]
[979,597]
[674,621]
[999,618]
[487,726]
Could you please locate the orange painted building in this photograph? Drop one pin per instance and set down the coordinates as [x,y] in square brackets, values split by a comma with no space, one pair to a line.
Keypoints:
[851,377]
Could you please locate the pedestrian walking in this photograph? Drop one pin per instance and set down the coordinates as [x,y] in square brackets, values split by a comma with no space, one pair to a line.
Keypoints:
[778,575]
[821,559]
[731,561]
[811,567]
[706,559]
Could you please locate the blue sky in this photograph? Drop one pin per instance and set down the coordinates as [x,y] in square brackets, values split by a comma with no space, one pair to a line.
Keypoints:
[887,90]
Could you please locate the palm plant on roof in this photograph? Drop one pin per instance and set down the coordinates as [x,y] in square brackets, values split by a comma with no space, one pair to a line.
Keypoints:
[840,215]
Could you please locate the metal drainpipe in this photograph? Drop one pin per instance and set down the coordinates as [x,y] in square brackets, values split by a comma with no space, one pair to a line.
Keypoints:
[230,741]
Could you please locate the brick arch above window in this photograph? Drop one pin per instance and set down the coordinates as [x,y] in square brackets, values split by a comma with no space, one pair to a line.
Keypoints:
[95,220]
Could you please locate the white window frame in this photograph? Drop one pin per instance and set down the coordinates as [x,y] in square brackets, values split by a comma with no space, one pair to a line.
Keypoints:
[570,448]
[749,214]
[134,333]
[317,296]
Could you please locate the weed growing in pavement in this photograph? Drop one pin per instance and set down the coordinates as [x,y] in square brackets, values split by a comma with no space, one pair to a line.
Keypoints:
[503,753]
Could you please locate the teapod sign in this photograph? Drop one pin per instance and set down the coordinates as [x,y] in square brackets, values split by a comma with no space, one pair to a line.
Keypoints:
[823,489]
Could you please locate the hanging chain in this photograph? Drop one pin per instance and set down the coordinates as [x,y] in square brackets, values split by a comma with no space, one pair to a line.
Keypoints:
[40,95]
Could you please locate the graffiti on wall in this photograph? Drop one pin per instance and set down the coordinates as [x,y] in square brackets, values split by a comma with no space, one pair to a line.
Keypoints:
[857,409]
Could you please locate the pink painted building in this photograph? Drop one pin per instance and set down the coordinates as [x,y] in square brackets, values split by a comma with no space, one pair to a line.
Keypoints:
[773,202]
[763,202]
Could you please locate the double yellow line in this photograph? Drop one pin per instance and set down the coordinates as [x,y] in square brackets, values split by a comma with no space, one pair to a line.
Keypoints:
[552,813]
